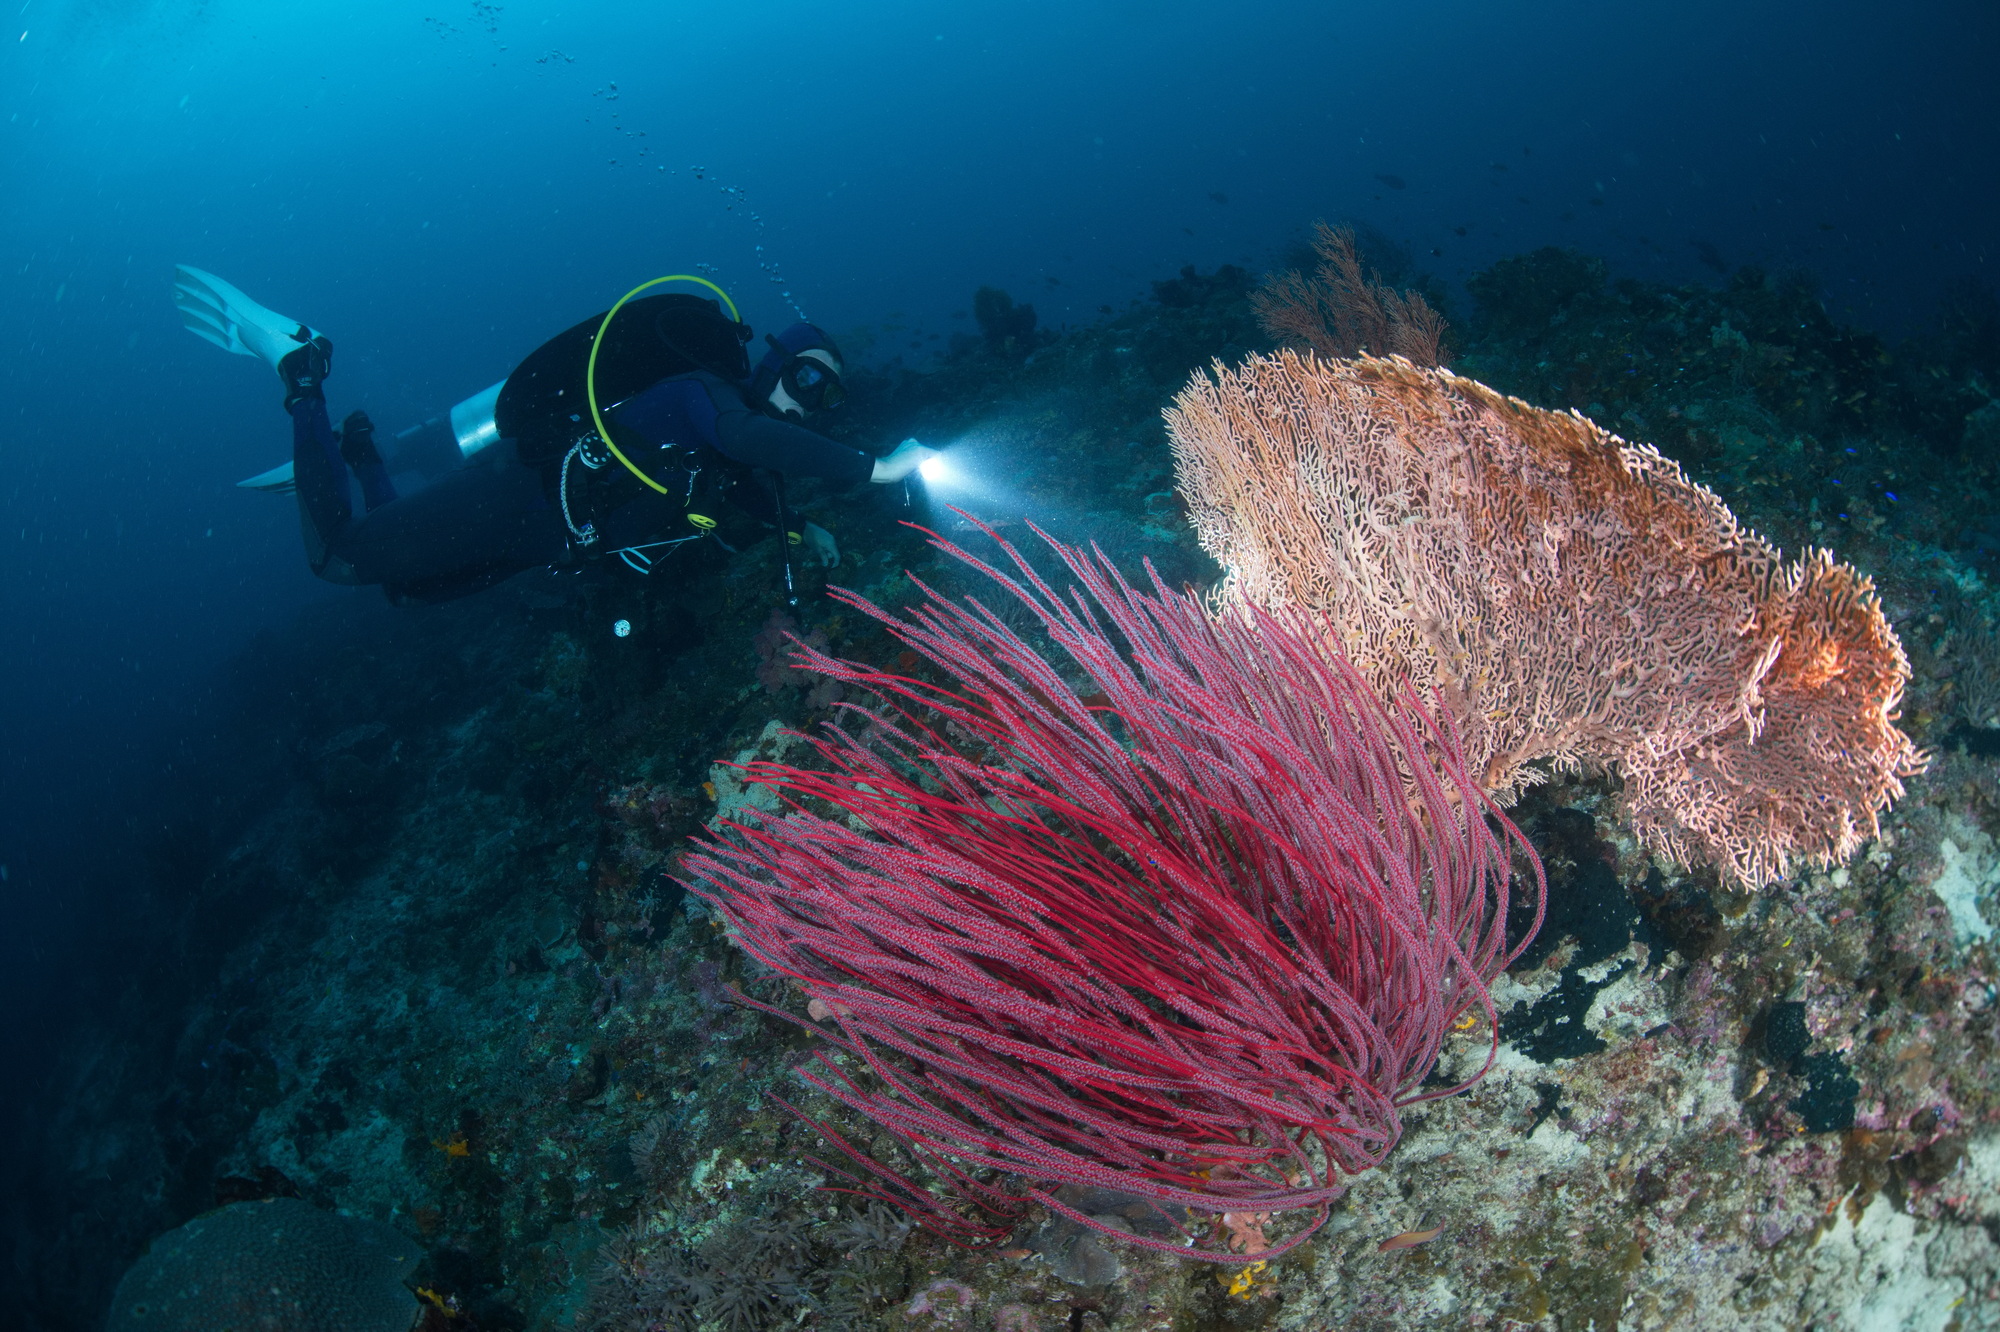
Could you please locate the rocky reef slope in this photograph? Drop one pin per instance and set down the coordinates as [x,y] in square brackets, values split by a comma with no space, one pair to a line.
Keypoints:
[432,967]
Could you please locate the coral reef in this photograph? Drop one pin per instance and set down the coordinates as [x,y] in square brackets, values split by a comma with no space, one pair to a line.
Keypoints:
[1009,329]
[416,895]
[278,1263]
[776,669]
[1574,599]
[765,1263]
[1340,311]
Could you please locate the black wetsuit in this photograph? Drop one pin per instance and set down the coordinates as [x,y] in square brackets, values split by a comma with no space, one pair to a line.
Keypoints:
[502,511]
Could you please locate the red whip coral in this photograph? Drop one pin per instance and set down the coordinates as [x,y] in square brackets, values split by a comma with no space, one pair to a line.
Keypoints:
[1187,919]
[1575,599]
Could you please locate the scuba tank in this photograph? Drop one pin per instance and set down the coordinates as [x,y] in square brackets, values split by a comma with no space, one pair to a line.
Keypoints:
[473,428]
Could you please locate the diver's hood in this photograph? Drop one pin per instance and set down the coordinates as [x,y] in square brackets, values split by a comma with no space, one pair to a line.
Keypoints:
[785,347]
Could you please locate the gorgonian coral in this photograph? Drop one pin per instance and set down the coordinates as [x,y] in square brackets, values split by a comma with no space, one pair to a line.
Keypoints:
[1574,598]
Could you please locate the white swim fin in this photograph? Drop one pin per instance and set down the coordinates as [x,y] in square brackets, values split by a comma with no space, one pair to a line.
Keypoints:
[277,481]
[218,312]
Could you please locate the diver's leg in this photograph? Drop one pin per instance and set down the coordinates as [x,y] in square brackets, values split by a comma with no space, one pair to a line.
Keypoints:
[357,448]
[318,472]
[492,516]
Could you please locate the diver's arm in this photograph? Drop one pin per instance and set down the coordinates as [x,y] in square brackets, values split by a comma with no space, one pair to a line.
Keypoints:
[754,496]
[762,441]
[750,437]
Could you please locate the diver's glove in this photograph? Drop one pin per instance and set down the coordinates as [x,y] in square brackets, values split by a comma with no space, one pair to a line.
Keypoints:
[820,545]
[907,458]
[305,369]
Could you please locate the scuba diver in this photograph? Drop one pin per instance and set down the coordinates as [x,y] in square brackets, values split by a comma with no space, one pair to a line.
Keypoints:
[622,435]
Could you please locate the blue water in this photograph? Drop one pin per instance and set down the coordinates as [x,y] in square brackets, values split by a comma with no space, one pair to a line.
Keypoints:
[441,186]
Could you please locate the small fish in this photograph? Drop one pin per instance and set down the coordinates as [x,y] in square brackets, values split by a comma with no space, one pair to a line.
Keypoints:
[1393,182]
[1409,1239]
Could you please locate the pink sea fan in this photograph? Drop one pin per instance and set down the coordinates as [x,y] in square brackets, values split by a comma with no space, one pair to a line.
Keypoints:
[1578,601]
[1187,917]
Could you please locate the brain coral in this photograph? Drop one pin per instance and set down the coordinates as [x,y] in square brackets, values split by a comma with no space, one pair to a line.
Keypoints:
[274,1266]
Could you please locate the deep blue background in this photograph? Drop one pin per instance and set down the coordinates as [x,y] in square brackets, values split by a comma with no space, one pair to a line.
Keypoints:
[440,186]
